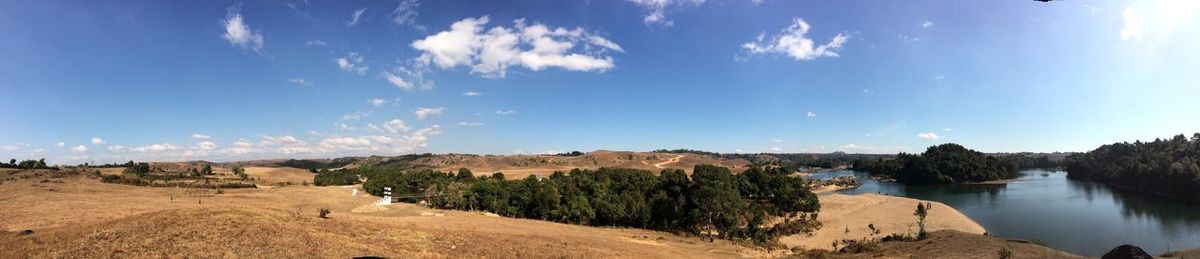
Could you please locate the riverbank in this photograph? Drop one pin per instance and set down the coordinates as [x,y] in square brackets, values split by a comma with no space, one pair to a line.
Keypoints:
[868,216]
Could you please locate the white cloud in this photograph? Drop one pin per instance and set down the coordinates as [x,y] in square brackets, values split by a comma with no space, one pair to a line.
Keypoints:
[376,102]
[472,93]
[317,43]
[777,140]
[300,81]
[534,47]
[98,141]
[505,112]
[928,135]
[810,114]
[154,148]
[395,126]
[422,112]
[927,24]
[406,14]
[352,63]
[343,127]
[206,145]
[1133,24]
[10,147]
[793,42]
[358,115]
[776,149]
[907,39]
[201,136]
[656,10]
[238,33]
[947,129]
[277,140]
[79,149]
[61,144]
[354,17]
[470,124]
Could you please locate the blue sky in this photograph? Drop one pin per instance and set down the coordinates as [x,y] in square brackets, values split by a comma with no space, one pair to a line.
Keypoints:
[108,81]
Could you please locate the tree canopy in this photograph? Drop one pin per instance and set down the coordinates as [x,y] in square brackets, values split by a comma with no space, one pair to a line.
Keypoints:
[1165,167]
[945,163]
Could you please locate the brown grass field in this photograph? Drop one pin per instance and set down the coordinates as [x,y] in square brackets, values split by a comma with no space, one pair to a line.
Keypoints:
[76,216]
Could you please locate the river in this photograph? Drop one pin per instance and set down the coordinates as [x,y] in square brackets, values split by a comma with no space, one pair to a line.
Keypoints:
[1080,217]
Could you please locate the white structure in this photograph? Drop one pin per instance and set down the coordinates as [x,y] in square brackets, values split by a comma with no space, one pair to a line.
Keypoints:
[387,196]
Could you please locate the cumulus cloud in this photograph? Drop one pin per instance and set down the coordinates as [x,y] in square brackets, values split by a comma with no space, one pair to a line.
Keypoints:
[354,17]
[810,114]
[793,42]
[267,140]
[79,149]
[201,136]
[492,52]
[927,24]
[470,124]
[1133,24]
[406,14]
[98,141]
[395,126]
[472,93]
[10,147]
[238,33]
[928,135]
[656,10]
[422,112]
[61,144]
[352,62]
[505,112]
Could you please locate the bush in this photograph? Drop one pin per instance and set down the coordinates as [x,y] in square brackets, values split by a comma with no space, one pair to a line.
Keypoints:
[323,213]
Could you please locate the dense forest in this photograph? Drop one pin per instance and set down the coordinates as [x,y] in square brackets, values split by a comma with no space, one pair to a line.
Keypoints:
[945,163]
[760,204]
[1165,167]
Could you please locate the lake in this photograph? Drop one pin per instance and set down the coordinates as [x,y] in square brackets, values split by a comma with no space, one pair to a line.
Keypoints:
[1080,217]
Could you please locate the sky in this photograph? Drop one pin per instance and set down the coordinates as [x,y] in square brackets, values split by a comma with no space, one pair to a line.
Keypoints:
[109,81]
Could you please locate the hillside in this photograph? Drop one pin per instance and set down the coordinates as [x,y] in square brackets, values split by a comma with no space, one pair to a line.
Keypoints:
[74,215]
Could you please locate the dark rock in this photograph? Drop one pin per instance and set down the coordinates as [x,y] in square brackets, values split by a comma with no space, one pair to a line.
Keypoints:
[25,232]
[1127,252]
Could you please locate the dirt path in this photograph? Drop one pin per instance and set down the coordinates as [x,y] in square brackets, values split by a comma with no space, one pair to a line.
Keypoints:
[669,161]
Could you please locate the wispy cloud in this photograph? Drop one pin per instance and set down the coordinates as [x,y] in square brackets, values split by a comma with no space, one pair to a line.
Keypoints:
[423,112]
[354,17]
[811,114]
[201,136]
[406,14]
[472,93]
[98,141]
[505,112]
[376,102]
[928,135]
[926,24]
[300,81]
[470,124]
[352,62]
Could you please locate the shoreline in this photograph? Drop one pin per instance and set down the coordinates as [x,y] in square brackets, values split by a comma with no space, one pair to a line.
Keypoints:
[868,216]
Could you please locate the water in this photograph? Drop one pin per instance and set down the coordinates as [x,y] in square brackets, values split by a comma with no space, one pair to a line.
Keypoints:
[1079,217]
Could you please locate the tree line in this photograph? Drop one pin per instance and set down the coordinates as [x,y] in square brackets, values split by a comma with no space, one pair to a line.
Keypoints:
[1165,167]
[945,163]
[26,164]
[759,205]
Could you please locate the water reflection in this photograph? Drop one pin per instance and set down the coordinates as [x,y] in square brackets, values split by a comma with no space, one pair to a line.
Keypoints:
[1080,217]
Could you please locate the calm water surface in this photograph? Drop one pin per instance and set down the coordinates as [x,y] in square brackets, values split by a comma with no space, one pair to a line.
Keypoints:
[1080,217]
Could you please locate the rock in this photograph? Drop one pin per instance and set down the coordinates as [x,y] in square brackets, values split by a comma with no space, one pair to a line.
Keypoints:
[1127,252]
[25,232]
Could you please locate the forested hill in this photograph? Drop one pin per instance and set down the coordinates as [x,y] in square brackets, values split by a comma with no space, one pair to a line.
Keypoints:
[1165,167]
[945,163]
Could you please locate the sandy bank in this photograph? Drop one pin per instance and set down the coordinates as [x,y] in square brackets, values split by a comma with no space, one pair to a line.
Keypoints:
[849,217]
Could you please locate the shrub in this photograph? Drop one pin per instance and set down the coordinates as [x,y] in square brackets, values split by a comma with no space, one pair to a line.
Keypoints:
[323,213]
